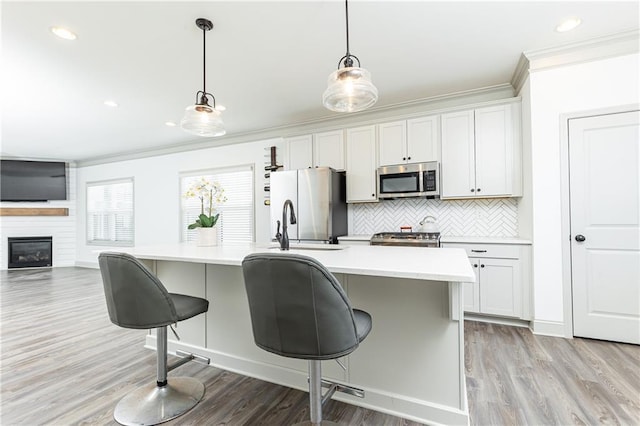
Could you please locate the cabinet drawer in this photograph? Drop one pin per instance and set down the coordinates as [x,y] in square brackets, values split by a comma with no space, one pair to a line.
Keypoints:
[503,251]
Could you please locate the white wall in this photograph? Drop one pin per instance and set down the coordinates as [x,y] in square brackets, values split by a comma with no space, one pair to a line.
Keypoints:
[569,89]
[157,194]
[61,228]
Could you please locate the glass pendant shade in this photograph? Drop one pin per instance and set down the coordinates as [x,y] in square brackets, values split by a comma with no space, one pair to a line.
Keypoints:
[350,89]
[202,120]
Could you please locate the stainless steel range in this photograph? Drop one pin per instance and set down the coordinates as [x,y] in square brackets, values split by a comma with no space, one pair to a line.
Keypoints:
[411,239]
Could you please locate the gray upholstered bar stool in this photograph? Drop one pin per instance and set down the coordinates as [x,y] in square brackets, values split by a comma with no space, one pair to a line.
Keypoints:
[299,310]
[137,299]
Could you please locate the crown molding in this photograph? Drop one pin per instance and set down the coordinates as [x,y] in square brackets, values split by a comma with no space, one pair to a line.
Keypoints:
[520,74]
[619,44]
[388,112]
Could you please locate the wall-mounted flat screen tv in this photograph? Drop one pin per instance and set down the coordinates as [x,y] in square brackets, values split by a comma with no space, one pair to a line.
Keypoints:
[32,180]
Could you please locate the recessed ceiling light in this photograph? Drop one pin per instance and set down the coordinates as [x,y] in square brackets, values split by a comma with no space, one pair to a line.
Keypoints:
[112,104]
[568,24]
[64,33]
[170,124]
[220,108]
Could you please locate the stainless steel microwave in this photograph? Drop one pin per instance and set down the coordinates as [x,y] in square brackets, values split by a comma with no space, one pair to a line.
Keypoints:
[409,180]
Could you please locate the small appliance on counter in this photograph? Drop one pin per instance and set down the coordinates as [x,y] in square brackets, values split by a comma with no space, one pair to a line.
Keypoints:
[428,224]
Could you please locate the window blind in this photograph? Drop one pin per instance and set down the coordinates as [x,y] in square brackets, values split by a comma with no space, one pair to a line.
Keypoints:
[110,216]
[235,223]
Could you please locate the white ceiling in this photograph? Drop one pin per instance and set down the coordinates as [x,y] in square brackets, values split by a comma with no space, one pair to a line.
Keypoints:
[267,62]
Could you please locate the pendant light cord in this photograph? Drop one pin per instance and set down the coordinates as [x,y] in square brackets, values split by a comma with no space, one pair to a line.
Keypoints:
[346,12]
[204,61]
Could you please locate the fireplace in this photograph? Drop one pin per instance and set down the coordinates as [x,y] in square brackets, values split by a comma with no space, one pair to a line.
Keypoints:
[30,252]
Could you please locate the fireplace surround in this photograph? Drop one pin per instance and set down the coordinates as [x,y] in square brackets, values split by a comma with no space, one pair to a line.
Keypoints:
[30,252]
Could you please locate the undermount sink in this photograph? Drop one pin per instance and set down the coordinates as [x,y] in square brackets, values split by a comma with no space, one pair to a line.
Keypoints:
[298,246]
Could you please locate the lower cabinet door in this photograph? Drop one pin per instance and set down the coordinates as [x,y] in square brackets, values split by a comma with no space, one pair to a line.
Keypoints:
[499,294]
[471,291]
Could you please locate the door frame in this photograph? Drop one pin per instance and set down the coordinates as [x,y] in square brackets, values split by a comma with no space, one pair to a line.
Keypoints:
[565,204]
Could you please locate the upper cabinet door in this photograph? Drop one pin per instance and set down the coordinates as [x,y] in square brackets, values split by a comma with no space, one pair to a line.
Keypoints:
[423,139]
[361,165]
[392,143]
[458,155]
[481,153]
[300,152]
[494,151]
[328,150]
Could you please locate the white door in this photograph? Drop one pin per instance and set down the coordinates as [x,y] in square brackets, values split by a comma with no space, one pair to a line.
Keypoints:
[604,160]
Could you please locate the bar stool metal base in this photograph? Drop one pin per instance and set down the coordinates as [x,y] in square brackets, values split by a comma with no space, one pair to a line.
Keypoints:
[152,404]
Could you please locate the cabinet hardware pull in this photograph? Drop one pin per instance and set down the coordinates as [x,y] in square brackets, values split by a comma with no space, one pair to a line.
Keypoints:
[478,190]
[473,190]
[408,158]
[404,158]
[478,251]
[475,265]
[482,266]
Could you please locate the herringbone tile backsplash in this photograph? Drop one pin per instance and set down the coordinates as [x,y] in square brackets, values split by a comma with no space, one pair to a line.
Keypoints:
[496,217]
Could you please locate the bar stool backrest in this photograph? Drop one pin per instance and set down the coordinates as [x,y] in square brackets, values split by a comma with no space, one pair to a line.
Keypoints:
[135,297]
[298,308]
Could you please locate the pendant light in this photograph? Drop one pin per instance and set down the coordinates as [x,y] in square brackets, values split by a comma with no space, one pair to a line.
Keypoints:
[202,119]
[350,88]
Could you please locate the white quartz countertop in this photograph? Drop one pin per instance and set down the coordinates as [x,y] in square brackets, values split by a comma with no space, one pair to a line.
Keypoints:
[364,237]
[438,264]
[452,239]
[484,240]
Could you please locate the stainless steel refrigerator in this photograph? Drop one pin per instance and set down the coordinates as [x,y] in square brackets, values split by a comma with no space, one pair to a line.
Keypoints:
[319,199]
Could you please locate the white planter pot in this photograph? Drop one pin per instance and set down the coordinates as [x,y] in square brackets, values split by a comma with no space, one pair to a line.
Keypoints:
[207,237]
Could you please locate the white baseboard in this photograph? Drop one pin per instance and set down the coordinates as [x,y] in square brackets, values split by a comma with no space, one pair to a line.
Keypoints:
[549,328]
[83,264]
[394,404]
[515,322]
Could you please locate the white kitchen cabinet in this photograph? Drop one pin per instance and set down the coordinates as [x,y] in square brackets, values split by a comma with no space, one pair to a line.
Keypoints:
[423,138]
[481,154]
[300,152]
[409,141]
[328,149]
[361,164]
[502,286]
[318,150]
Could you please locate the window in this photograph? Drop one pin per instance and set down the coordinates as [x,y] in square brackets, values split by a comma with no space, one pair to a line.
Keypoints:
[236,214]
[110,212]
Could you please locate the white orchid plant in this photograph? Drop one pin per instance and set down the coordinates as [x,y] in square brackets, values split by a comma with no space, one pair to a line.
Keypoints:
[211,193]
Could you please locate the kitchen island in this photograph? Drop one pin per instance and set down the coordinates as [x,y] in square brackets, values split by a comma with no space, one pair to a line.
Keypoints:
[412,363]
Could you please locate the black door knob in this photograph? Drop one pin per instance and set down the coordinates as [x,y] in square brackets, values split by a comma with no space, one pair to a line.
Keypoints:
[580,238]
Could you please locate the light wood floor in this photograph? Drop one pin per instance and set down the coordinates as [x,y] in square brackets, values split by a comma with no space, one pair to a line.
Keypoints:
[63,362]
